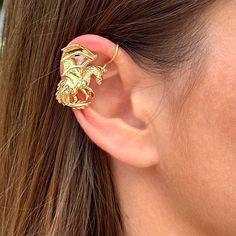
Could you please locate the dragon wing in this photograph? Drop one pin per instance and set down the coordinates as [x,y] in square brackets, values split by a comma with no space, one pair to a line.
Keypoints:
[81,55]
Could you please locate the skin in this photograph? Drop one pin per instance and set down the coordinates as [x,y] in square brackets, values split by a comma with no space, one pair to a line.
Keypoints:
[174,169]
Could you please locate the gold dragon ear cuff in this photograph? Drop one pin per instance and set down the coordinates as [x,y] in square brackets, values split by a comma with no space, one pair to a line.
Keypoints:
[77,74]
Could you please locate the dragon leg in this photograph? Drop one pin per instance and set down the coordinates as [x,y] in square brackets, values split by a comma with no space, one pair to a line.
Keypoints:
[80,105]
[90,90]
[85,93]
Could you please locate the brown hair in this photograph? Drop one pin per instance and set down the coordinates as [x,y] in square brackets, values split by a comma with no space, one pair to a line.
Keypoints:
[53,179]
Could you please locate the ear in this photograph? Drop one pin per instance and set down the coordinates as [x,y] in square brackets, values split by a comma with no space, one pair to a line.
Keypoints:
[115,120]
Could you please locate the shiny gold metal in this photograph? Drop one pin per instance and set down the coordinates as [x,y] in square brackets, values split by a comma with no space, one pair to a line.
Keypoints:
[76,76]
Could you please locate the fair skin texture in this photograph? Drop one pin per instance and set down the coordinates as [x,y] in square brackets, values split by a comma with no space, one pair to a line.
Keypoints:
[174,171]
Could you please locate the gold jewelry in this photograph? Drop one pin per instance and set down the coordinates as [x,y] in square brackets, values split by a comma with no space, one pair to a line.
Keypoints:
[77,74]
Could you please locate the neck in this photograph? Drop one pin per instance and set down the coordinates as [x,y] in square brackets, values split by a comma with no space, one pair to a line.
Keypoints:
[145,205]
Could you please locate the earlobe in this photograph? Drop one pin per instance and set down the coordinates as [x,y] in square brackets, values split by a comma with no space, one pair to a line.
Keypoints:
[109,120]
[128,144]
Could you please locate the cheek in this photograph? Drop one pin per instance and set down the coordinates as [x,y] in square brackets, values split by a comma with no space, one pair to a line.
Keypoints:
[200,167]
[199,163]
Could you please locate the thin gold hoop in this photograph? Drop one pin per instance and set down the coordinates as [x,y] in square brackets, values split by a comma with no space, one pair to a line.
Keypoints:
[113,58]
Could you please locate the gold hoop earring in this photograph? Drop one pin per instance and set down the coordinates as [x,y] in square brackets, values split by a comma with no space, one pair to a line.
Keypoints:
[76,76]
